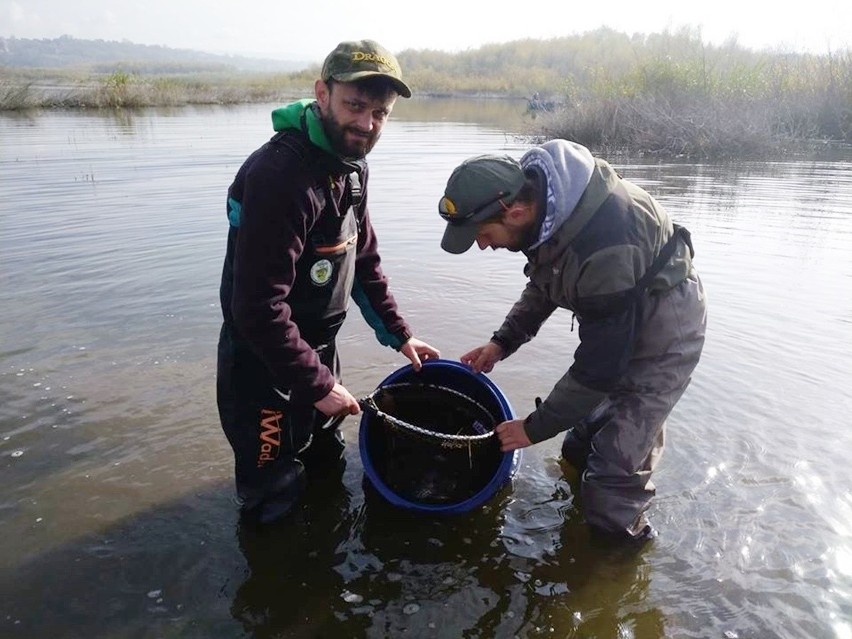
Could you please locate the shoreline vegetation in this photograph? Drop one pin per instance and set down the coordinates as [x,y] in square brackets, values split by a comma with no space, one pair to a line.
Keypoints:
[668,94]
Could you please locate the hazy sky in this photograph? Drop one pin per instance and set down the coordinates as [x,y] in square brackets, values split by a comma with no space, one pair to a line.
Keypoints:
[306,30]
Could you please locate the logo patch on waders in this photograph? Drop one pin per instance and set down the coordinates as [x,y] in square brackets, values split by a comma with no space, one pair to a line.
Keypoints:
[321,272]
[270,436]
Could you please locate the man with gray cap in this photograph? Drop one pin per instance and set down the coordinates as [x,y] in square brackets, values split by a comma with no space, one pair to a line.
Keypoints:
[604,249]
[300,244]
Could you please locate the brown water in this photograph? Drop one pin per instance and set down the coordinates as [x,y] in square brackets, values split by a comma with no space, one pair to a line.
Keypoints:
[117,518]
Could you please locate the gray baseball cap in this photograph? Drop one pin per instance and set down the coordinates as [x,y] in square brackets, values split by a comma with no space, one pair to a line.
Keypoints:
[479,188]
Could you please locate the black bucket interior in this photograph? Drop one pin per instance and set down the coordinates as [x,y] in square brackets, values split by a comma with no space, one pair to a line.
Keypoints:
[425,468]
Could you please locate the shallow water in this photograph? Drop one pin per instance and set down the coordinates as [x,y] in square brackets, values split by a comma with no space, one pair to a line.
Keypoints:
[117,517]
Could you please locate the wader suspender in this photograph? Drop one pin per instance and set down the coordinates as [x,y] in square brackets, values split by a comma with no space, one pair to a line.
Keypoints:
[353,182]
[663,257]
[634,295]
[354,168]
[355,192]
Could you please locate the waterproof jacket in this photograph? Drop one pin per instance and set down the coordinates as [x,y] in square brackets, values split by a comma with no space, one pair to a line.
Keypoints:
[596,252]
[300,243]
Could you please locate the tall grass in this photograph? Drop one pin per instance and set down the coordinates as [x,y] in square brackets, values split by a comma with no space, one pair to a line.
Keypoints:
[51,89]
[707,102]
[15,96]
[667,93]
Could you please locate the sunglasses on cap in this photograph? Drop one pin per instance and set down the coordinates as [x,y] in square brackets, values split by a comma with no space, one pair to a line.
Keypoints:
[447,209]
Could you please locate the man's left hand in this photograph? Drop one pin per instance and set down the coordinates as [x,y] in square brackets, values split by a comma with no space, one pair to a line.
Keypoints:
[417,350]
[512,435]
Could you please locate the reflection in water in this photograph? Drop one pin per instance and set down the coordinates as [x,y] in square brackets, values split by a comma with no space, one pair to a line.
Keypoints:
[164,571]
[346,567]
[503,114]
[291,586]
[117,520]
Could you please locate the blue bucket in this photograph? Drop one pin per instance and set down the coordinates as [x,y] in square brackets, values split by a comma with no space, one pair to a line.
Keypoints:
[456,377]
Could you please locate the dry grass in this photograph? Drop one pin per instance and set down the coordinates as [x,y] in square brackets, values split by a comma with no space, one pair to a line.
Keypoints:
[667,94]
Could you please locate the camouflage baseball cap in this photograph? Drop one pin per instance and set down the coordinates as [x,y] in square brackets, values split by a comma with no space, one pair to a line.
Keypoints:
[352,61]
[478,189]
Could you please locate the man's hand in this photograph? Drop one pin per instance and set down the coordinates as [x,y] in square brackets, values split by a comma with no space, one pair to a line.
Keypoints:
[338,402]
[417,350]
[512,435]
[483,358]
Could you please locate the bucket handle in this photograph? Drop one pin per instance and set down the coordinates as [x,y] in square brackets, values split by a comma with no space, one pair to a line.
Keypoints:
[368,405]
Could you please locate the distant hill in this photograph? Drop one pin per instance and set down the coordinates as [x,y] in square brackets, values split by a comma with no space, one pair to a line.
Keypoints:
[107,56]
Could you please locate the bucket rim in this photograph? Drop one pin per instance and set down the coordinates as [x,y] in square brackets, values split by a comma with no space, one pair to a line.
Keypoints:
[504,472]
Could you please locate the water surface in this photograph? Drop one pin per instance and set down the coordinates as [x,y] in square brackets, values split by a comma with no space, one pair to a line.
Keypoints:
[117,517]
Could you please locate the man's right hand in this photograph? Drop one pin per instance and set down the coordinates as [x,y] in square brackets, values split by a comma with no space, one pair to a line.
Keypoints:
[338,402]
[483,358]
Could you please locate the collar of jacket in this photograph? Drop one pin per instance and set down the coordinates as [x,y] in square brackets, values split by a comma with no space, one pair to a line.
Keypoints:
[312,126]
[601,185]
[304,116]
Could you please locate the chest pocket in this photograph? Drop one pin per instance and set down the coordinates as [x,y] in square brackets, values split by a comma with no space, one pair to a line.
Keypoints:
[334,237]
[331,247]
[325,273]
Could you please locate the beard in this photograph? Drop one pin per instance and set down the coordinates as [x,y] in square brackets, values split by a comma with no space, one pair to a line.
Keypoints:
[348,141]
[522,237]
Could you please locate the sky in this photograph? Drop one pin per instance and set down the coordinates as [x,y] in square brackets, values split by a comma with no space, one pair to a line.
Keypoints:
[306,30]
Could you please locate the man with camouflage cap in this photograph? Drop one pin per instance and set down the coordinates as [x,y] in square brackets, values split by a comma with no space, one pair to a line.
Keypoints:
[604,249]
[300,244]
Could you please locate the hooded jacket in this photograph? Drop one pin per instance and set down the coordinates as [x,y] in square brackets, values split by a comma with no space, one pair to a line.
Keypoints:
[300,243]
[599,234]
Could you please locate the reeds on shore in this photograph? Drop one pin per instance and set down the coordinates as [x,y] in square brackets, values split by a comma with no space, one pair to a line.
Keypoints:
[720,105]
[49,89]
[668,94]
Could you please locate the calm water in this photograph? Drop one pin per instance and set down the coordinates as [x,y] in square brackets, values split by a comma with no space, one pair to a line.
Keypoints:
[117,520]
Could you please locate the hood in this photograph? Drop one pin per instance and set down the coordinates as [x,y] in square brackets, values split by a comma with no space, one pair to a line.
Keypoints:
[302,116]
[567,168]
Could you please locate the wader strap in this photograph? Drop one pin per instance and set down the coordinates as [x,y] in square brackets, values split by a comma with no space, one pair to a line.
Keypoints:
[355,192]
[664,256]
[295,143]
[299,144]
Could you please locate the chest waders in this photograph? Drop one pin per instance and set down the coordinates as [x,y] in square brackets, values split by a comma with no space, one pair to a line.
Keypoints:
[617,446]
[273,433]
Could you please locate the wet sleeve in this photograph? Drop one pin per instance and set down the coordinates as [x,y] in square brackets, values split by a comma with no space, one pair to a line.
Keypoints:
[567,404]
